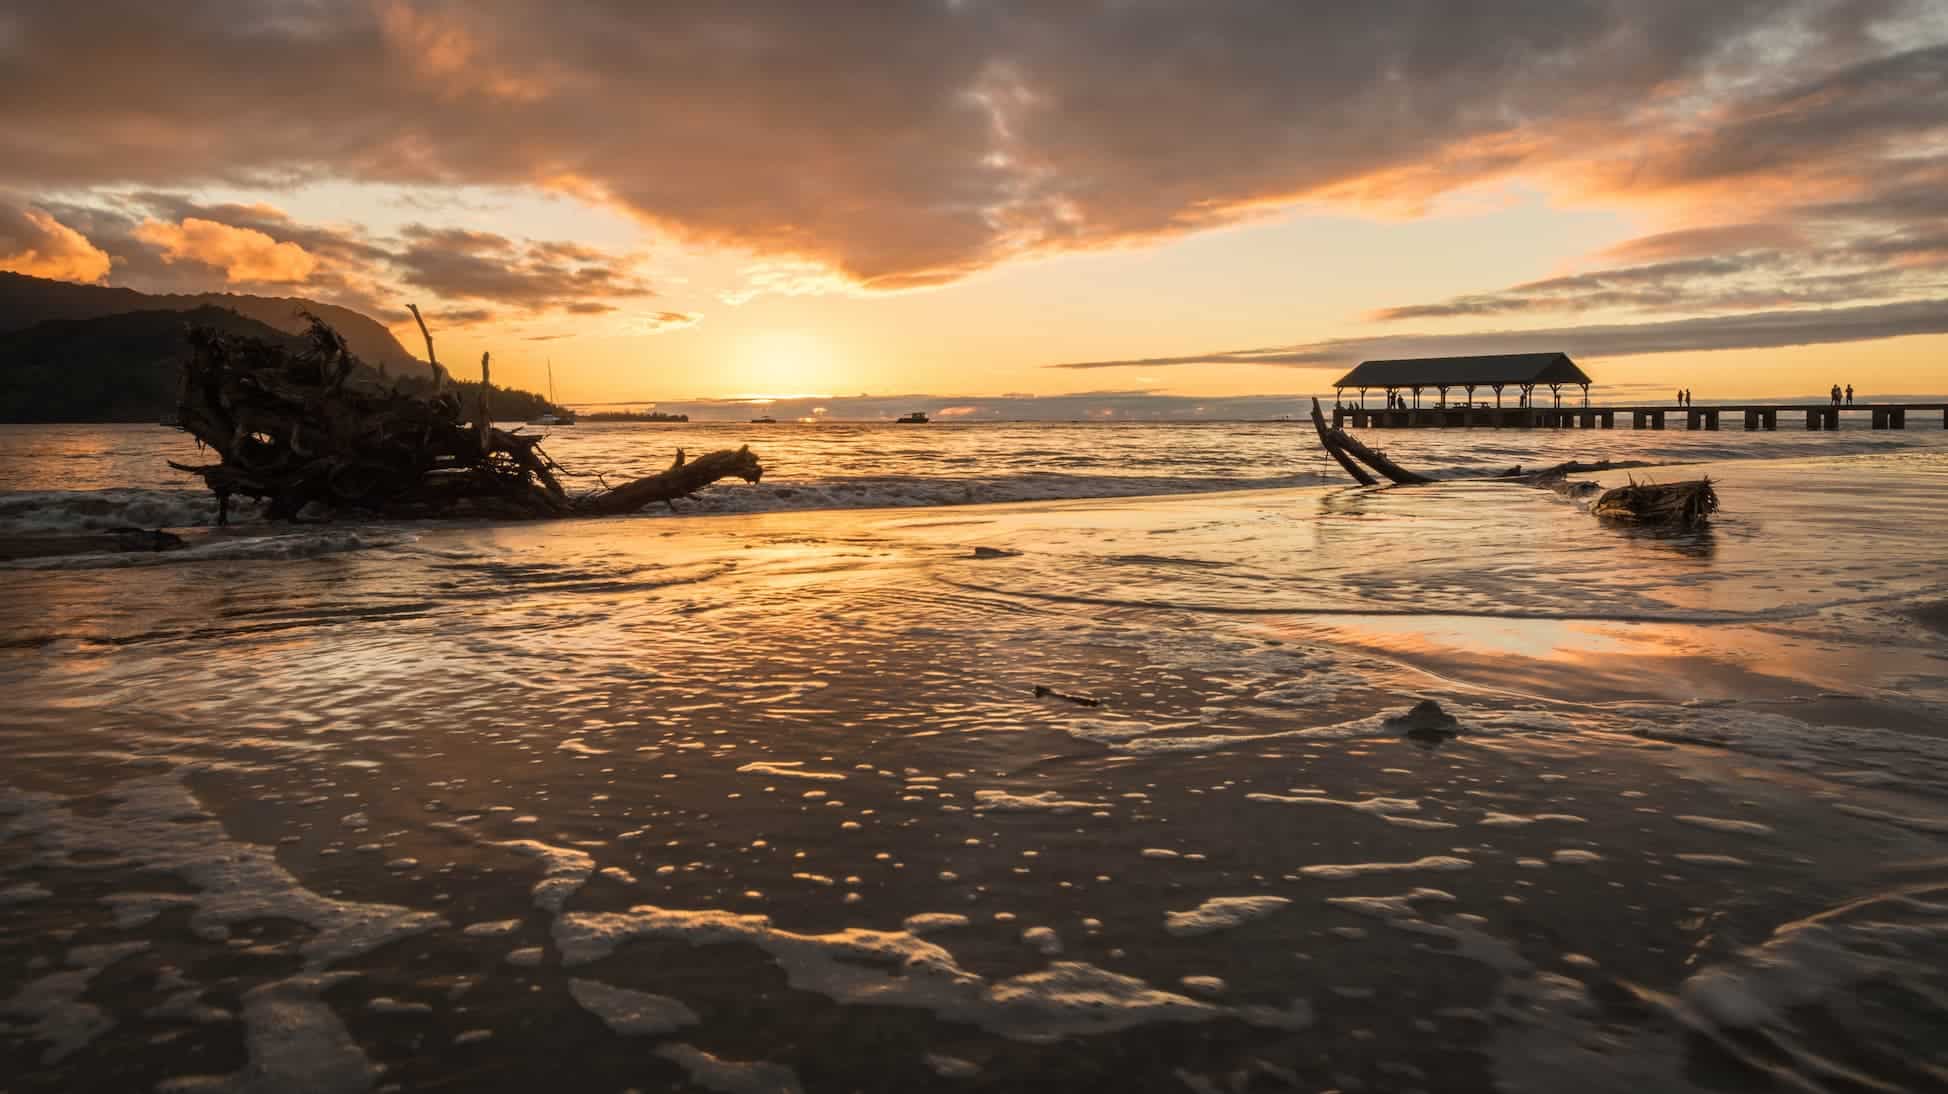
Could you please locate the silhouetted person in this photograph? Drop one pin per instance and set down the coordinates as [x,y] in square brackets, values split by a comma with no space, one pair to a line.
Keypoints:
[1849,394]
[1680,396]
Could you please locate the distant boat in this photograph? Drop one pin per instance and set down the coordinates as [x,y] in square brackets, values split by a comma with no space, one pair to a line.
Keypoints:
[915,418]
[566,417]
[764,421]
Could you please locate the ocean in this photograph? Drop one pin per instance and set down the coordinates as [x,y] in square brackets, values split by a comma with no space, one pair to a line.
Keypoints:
[1037,756]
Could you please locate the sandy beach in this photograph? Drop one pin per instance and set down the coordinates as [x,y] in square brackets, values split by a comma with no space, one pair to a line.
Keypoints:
[769,802]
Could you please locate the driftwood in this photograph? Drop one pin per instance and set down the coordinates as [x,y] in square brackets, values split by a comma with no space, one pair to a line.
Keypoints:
[1341,445]
[1044,692]
[1659,503]
[316,427]
[1678,503]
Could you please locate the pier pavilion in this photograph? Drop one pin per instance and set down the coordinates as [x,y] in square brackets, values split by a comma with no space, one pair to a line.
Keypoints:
[1405,379]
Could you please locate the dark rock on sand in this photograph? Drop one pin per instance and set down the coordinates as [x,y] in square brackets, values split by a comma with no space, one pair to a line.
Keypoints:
[1932,615]
[1426,723]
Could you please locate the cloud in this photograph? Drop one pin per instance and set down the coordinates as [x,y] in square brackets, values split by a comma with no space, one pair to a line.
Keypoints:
[164,242]
[1756,330]
[661,322]
[1711,240]
[900,146]
[460,264]
[34,243]
[243,254]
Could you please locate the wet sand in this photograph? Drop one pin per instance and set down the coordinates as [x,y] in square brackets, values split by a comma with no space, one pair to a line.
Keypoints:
[769,802]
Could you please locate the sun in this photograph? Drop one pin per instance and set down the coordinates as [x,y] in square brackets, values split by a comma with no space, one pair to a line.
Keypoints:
[780,364]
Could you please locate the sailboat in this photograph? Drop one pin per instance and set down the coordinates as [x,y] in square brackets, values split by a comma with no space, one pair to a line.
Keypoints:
[566,417]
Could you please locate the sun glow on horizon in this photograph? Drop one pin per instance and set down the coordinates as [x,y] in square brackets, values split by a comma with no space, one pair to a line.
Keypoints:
[772,361]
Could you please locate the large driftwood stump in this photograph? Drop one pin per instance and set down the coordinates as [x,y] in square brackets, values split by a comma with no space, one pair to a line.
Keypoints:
[316,427]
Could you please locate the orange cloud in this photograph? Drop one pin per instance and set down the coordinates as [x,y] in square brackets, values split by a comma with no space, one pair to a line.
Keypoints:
[34,243]
[243,254]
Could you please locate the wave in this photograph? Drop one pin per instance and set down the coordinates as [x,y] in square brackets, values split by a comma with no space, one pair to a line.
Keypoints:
[79,511]
[310,543]
[904,492]
[42,512]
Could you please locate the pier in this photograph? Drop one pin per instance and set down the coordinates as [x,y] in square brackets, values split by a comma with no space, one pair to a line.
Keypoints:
[1414,393]
[1752,416]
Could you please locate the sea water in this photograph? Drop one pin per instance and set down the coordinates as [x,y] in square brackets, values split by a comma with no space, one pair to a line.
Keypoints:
[760,795]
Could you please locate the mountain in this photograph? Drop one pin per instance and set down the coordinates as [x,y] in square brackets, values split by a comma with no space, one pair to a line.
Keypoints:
[113,368]
[124,368]
[25,301]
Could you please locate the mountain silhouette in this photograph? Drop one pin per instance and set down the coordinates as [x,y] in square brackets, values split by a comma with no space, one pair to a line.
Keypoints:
[25,301]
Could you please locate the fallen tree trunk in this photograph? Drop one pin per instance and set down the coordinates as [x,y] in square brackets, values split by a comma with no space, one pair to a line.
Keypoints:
[1378,461]
[1678,503]
[1328,438]
[316,428]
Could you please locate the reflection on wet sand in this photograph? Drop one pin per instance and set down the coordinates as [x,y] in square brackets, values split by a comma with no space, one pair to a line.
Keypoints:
[772,802]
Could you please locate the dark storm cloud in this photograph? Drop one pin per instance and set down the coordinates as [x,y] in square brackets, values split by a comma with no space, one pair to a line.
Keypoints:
[907,144]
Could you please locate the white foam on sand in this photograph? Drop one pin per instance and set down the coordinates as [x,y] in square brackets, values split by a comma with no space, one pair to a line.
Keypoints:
[631,1013]
[951,1067]
[491,928]
[793,769]
[53,1002]
[564,870]
[1337,872]
[1221,913]
[1380,807]
[1712,860]
[1044,939]
[1520,820]
[138,909]
[900,969]
[1390,907]
[1812,959]
[929,922]
[1917,824]
[295,1042]
[1048,801]
[1723,824]
[155,823]
[731,1076]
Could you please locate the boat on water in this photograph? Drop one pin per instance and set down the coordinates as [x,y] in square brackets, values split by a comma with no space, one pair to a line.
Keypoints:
[915,418]
[764,421]
[566,417]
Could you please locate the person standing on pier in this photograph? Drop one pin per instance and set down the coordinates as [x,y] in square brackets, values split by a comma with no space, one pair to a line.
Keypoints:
[1836,395]
[1849,394]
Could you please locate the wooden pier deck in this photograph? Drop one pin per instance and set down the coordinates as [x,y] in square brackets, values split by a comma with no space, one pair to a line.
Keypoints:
[1754,416]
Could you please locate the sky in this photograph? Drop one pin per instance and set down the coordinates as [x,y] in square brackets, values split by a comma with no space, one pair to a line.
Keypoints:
[1134,202]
